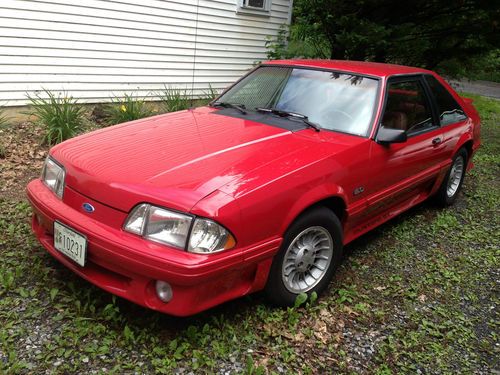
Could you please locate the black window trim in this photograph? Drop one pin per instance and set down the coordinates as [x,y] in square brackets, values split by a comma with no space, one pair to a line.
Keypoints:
[418,77]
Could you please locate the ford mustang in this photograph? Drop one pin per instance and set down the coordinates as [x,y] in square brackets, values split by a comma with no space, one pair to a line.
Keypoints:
[259,190]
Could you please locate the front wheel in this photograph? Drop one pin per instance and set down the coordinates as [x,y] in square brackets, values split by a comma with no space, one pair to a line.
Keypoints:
[308,257]
[451,185]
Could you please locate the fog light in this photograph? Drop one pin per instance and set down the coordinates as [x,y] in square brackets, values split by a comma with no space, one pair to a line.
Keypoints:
[163,291]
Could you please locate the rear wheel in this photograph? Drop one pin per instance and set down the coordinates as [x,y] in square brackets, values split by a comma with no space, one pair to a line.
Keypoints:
[451,185]
[308,257]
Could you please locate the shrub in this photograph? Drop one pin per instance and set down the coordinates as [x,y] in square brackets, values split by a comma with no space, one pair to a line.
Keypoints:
[128,108]
[3,121]
[3,118]
[61,116]
[209,95]
[174,99]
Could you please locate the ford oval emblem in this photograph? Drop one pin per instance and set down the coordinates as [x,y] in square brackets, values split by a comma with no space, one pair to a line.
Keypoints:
[88,207]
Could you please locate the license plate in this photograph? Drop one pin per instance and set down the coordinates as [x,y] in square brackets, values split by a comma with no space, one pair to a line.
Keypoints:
[70,243]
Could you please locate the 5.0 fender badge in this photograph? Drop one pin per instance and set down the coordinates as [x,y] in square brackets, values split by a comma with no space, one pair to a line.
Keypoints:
[88,207]
[358,190]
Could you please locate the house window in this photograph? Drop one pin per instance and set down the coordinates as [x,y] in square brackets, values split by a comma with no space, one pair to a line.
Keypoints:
[257,7]
[260,4]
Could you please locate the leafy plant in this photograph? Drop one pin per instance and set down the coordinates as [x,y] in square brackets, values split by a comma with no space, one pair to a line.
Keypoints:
[300,300]
[252,369]
[3,118]
[127,108]
[345,295]
[61,115]
[3,121]
[277,46]
[209,95]
[174,99]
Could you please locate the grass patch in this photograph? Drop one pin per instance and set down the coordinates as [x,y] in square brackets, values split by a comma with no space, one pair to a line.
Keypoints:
[175,99]
[60,115]
[209,95]
[3,118]
[418,294]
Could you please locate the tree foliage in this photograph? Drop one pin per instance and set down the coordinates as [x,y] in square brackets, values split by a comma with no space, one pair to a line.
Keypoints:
[427,33]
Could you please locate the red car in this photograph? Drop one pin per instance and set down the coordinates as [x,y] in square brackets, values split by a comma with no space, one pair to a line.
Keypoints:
[259,190]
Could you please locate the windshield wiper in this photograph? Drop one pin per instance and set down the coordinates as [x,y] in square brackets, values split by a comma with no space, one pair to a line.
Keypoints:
[240,107]
[282,113]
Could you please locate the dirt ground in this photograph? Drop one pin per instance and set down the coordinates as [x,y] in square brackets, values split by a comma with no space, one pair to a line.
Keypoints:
[23,158]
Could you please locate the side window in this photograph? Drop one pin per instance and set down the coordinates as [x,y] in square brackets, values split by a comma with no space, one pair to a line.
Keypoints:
[449,110]
[407,107]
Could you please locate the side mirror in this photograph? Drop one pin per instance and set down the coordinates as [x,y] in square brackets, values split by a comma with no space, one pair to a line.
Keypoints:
[388,135]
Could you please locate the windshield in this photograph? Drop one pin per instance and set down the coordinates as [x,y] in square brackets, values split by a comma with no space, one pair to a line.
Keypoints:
[335,101]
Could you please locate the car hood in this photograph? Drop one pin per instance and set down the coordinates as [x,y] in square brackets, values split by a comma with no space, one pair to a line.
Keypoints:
[172,160]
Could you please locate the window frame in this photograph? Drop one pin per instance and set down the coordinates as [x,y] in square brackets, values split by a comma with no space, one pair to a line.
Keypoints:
[418,77]
[435,103]
[243,8]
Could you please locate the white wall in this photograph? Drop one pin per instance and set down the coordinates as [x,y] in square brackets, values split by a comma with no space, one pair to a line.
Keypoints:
[94,49]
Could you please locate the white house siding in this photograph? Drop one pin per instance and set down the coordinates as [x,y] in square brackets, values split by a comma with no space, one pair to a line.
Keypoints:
[95,49]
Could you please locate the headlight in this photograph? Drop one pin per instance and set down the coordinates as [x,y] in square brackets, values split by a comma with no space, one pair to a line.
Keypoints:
[174,228]
[53,176]
[208,237]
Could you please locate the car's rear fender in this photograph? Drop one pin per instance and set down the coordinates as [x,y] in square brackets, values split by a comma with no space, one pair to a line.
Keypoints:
[466,141]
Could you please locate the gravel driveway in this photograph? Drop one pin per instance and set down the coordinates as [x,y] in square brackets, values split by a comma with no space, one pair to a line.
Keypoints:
[484,88]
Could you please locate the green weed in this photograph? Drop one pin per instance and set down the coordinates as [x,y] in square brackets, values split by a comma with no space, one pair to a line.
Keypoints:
[209,95]
[130,107]
[3,118]
[174,99]
[60,115]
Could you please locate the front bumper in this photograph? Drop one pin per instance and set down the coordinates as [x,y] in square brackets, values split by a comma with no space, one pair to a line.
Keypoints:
[128,266]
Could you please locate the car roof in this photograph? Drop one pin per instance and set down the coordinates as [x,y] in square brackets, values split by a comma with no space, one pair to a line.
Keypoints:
[360,67]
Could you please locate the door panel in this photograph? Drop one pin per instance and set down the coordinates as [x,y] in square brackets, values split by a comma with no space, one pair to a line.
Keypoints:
[402,173]
[405,167]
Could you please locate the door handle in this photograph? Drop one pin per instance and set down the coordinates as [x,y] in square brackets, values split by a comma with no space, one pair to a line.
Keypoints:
[436,141]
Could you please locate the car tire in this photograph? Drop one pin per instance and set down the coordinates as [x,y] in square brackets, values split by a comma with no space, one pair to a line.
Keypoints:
[308,257]
[452,183]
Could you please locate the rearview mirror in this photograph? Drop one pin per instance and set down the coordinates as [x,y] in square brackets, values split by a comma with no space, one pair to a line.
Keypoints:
[388,135]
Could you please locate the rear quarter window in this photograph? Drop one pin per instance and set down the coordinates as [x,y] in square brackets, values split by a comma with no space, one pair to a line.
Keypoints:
[449,110]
